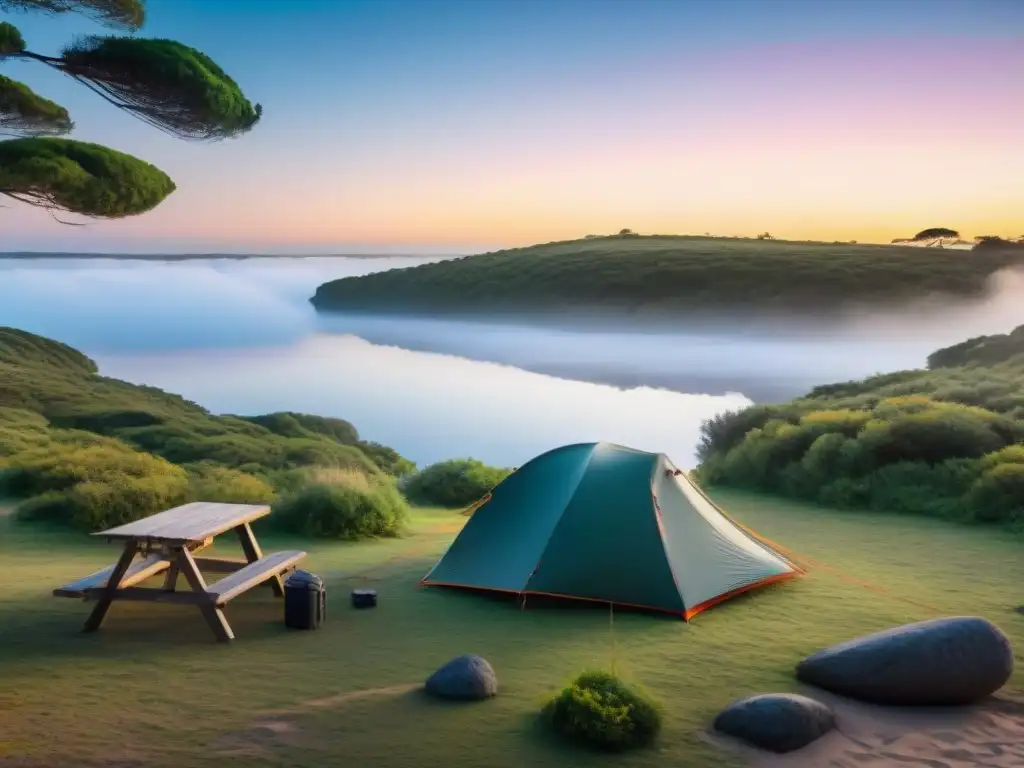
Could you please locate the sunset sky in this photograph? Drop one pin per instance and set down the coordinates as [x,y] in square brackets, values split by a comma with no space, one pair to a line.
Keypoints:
[457,125]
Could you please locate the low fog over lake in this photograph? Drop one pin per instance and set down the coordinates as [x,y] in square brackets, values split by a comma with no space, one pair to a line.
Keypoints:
[240,336]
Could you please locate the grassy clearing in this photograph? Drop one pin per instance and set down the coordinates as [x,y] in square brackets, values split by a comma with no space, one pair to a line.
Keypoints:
[152,685]
[670,276]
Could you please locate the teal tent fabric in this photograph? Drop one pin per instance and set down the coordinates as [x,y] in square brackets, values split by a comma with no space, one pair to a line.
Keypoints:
[606,523]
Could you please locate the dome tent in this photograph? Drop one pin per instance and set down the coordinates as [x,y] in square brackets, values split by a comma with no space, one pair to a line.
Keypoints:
[605,523]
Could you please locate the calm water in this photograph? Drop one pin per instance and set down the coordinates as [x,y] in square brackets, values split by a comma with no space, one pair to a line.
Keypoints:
[240,337]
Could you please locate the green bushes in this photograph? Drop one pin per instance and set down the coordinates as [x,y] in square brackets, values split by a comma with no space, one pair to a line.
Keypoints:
[91,482]
[97,451]
[454,483]
[340,505]
[911,455]
[945,443]
[599,710]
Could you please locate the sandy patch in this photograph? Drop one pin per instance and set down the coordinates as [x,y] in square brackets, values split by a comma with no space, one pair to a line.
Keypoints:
[340,699]
[989,735]
[278,728]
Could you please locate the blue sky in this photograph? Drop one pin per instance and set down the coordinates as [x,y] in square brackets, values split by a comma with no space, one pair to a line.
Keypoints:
[448,125]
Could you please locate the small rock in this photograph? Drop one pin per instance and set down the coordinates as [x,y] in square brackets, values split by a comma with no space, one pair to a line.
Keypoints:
[467,678]
[949,661]
[779,722]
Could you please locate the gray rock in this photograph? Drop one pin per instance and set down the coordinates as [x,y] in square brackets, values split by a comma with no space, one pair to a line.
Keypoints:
[949,661]
[467,678]
[779,722]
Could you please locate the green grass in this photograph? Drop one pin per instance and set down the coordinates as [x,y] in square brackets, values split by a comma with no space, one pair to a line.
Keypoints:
[666,276]
[152,684]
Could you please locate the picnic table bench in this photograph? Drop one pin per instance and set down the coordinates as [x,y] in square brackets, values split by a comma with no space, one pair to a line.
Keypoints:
[169,542]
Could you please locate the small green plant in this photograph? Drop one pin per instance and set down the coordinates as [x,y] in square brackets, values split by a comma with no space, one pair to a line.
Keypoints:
[601,711]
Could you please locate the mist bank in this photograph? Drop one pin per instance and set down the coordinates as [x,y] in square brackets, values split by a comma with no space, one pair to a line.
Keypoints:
[659,280]
[767,362]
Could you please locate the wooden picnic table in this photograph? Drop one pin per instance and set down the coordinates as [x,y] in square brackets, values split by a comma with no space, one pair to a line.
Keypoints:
[169,542]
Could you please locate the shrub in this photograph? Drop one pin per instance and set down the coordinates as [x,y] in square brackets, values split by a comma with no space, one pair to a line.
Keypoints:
[917,487]
[91,482]
[599,710]
[388,459]
[454,483]
[343,511]
[934,435]
[727,430]
[289,424]
[213,483]
[998,495]
[95,506]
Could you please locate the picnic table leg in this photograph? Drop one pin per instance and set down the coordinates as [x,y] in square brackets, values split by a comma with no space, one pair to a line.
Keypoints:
[99,611]
[252,551]
[171,579]
[214,616]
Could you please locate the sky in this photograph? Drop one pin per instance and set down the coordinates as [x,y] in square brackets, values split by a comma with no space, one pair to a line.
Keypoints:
[451,126]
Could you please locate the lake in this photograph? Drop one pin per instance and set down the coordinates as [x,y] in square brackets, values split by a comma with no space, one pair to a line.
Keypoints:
[239,336]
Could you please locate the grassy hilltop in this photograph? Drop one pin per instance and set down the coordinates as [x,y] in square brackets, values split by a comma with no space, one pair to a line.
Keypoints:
[671,275]
[91,451]
[947,441]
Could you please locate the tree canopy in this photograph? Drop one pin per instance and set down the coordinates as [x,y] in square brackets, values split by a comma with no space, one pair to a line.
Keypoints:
[164,83]
[88,179]
[934,232]
[130,14]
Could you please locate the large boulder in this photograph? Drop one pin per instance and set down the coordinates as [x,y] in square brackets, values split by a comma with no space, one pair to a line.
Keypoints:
[779,722]
[467,678]
[950,661]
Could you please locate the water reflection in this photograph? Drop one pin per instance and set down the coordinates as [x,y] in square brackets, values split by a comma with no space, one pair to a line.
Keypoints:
[429,406]
[241,336]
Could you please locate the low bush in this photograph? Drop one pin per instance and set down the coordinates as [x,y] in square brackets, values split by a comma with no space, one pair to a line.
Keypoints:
[352,507]
[599,710]
[454,483]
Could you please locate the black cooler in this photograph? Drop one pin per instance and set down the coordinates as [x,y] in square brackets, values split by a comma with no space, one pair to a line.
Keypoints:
[305,601]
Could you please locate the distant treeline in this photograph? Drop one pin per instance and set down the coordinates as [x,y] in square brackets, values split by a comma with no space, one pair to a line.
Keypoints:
[672,276]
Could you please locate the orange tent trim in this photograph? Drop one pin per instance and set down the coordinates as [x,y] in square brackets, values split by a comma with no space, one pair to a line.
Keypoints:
[685,615]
